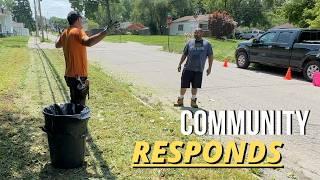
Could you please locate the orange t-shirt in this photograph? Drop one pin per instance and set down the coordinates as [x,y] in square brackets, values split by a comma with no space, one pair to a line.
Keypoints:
[75,53]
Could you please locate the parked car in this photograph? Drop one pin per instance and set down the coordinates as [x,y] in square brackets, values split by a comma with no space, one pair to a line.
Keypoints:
[250,34]
[237,34]
[295,48]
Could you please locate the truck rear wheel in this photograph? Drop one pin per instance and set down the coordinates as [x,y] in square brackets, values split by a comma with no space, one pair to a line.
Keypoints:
[310,68]
[243,60]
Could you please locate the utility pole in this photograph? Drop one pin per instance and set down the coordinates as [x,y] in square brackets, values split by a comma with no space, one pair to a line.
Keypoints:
[41,21]
[169,22]
[47,26]
[35,17]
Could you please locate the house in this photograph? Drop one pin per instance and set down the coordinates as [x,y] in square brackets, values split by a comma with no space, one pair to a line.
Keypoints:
[135,28]
[125,25]
[188,24]
[9,27]
[6,27]
[19,29]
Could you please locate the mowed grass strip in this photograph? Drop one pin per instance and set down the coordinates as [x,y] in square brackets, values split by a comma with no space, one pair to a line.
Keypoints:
[13,59]
[222,48]
[118,121]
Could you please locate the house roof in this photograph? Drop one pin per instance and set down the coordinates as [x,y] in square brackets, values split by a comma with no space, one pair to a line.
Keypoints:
[136,26]
[125,25]
[4,11]
[191,18]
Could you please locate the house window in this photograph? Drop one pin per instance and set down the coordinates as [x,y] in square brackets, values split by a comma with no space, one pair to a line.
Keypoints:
[180,27]
[204,26]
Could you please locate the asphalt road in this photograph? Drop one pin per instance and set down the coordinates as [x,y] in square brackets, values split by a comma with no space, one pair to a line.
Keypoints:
[227,89]
[258,88]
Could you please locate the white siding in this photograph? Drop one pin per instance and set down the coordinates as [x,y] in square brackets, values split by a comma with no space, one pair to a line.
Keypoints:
[6,24]
[18,31]
[188,27]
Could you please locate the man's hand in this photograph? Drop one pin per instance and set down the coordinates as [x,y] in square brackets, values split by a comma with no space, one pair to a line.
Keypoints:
[179,68]
[105,30]
[58,42]
[60,31]
[208,71]
[113,25]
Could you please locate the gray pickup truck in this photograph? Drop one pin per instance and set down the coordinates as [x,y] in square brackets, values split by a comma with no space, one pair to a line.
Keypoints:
[295,48]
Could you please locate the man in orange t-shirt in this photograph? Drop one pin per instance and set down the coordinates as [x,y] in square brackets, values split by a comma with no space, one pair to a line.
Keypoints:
[74,42]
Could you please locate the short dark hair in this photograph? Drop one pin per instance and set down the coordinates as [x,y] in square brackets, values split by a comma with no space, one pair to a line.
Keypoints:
[73,16]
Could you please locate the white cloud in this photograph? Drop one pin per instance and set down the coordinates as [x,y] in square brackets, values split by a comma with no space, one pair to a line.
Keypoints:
[58,8]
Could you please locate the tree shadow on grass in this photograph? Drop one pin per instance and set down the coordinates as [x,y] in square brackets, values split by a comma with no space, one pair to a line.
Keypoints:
[96,166]
[24,152]
[20,156]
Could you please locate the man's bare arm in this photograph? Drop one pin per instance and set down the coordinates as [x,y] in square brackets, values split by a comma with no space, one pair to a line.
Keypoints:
[93,40]
[210,61]
[210,65]
[58,42]
[183,58]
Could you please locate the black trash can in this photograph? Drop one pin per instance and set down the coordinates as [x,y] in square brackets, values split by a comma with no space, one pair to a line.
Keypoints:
[66,128]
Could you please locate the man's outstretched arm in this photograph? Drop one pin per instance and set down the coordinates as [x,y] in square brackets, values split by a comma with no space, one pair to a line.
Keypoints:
[93,40]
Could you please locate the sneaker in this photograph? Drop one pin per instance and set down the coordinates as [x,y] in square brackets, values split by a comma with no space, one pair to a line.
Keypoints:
[194,103]
[179,103]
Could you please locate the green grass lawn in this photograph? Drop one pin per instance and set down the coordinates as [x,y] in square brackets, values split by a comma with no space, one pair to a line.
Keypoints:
[13,59]
[33,79]
[222,49]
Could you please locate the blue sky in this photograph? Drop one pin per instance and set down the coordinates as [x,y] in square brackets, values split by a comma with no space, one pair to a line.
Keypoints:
[58,8]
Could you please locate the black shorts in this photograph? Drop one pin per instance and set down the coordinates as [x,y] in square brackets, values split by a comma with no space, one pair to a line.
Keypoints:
[78,96]
[191,77]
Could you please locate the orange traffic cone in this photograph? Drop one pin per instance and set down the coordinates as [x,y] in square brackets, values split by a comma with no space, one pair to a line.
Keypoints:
[288,75]
[225,63]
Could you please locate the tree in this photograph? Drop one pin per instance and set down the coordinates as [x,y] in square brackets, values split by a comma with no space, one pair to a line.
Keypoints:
[58,23]
[245,12]
[298,11]
[77,5]
[8,4]
[22,13]
[91,7]
[221,24]
[249,13]
[272,4]
[127,9]
[314,22]
[152,13]
[92,24]
[180,8]
[199,7]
